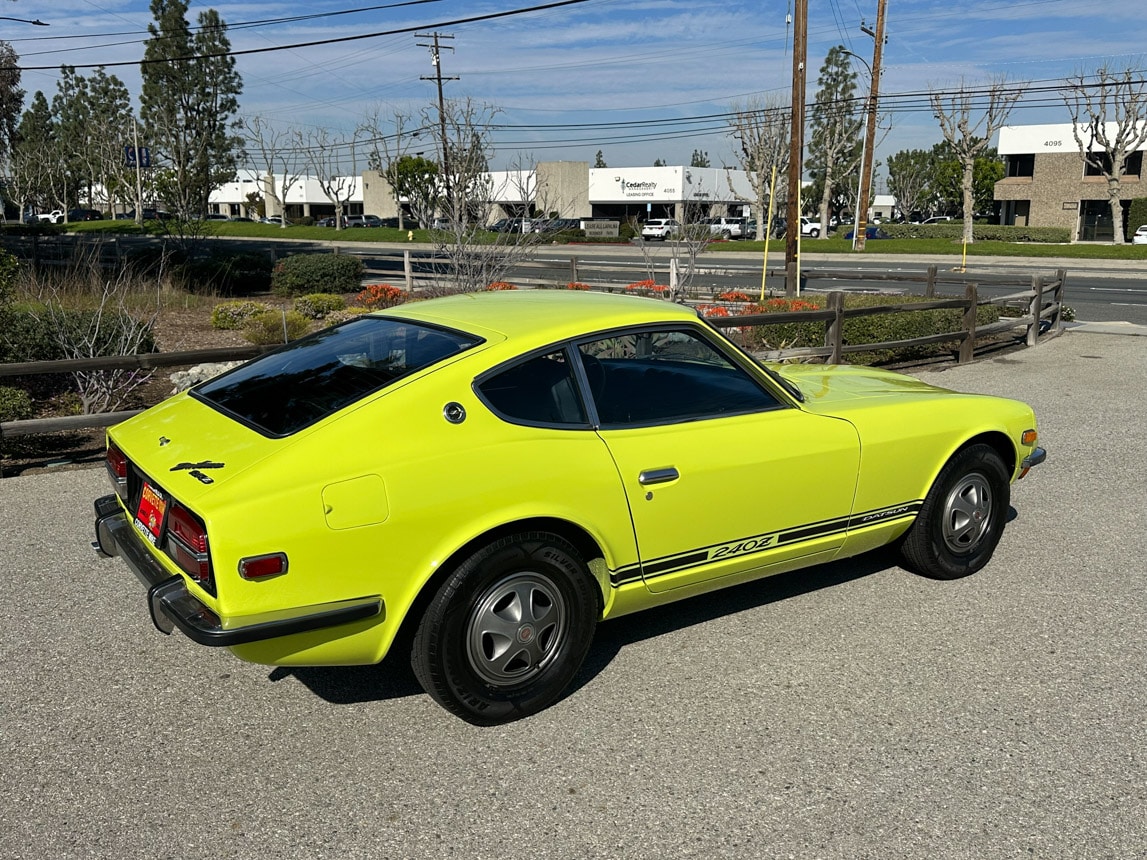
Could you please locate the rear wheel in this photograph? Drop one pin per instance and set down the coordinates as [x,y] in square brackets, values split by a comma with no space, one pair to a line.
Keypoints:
[962,518]
[508,629]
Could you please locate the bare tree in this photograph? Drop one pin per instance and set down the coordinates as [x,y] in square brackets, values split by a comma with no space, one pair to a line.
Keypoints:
[466,198]
[761,130]
[385,152]
[969,139]
[282,161]
[334,163]
[1109,121]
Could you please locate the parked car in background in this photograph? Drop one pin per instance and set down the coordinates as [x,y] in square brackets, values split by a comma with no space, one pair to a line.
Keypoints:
[216,216]
[363,221]
[56,216]
[1140,236]
[725,227]
[271,219]
[551,461]
[556,225]
[870,232]
[77,215]
[660,229]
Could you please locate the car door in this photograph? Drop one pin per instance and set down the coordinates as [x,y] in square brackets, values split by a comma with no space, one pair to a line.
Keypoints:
[723,476]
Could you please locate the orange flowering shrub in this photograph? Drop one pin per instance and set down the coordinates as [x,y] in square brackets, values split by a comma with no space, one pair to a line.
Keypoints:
[500,285]
[577,285]
[381,296]
[783,306]
[713,310]
[647,288]
[733,296]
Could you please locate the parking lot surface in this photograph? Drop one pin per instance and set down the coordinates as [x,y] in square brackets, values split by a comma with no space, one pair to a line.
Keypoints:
[850,711]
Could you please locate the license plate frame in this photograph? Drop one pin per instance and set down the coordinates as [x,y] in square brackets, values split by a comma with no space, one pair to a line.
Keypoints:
[151,513]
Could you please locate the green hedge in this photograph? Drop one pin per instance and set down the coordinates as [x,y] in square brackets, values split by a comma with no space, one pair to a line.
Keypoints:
[317,273]
[1136,216]
[954,230]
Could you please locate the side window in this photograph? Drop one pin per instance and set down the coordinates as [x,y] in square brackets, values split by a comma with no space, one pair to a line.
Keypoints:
[659,377]
[540,390]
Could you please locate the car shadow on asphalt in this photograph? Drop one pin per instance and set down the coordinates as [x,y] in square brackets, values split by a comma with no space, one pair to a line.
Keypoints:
[393,678]
[613,636]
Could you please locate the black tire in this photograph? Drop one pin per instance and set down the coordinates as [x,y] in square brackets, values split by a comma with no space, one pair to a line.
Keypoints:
[814,233]
[962,518]
[508,629]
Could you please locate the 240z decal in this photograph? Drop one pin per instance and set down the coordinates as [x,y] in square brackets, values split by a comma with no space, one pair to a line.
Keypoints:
[650,568]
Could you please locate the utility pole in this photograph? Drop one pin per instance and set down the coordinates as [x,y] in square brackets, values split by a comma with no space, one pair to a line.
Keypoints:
[796,146]
[436,59]
[870,130]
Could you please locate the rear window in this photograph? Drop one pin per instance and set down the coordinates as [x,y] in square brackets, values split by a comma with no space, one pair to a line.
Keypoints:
[304,382]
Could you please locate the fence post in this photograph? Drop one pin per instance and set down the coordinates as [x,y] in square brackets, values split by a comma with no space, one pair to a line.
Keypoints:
[1057,318]
[573,270]
[791,280]
[834,328]
[968,345]
[930,289]
[1035,309]
[408,271]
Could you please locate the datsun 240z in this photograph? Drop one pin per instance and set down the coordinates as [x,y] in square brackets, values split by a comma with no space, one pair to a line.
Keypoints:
[481,479]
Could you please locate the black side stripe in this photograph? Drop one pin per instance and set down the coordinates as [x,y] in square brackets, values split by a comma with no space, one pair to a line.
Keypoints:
[755,544]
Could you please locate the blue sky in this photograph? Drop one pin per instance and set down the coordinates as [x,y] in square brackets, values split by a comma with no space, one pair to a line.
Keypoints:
[602,61]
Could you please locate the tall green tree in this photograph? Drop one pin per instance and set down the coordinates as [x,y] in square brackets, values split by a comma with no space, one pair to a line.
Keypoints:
[700,159]
[188,105]
[599,160]
[910,174]
[948,179]
[834,142]
[11,97]
[415,179]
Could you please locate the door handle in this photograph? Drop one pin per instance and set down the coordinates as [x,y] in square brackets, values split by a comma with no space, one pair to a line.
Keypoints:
[658,476]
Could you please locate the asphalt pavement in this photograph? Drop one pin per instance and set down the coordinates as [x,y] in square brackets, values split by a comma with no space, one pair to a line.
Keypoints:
[851,711]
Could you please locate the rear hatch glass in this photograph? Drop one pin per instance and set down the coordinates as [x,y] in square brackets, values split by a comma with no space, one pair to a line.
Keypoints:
[294,387]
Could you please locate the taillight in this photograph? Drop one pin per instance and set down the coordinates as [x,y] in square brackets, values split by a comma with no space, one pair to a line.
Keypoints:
[117,470]
[187,545]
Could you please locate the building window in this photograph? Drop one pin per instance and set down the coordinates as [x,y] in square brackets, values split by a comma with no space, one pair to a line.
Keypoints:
[1021,165]
[1132,167]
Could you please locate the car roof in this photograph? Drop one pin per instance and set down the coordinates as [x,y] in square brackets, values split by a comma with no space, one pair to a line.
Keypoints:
[539,317]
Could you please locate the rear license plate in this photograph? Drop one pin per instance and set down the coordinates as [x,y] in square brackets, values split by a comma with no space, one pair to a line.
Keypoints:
[149,516]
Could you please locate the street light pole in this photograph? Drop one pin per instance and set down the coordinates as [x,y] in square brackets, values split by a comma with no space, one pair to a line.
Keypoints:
[37,22]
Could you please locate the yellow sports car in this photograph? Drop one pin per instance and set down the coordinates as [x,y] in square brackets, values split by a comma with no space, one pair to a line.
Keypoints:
[483,478]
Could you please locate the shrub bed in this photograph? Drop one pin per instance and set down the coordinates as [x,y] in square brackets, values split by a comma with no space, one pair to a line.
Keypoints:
[879,328]
[272,327]
[232,316]
[317,305]
[300,274]
[954,230]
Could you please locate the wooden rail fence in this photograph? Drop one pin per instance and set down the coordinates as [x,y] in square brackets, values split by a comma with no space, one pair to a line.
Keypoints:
[1041,302]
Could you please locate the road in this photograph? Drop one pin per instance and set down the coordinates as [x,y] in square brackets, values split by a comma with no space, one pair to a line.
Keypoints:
[852,711]
[1098,290]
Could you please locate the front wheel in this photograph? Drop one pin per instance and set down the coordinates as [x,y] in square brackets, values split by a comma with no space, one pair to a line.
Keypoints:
[508,629]
[962,518]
